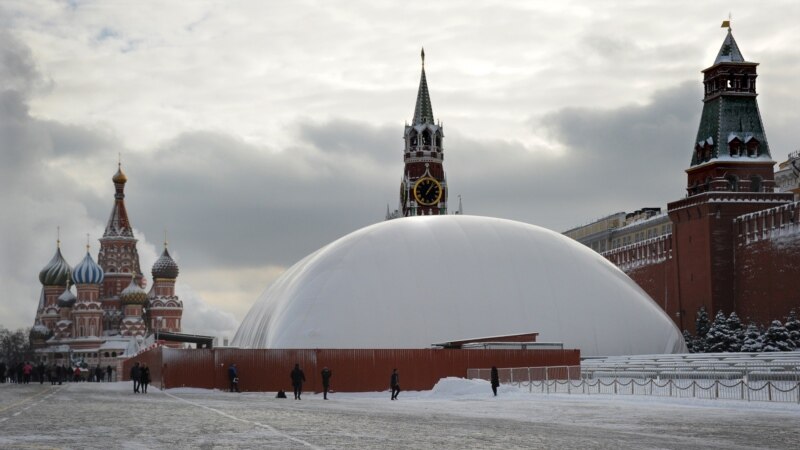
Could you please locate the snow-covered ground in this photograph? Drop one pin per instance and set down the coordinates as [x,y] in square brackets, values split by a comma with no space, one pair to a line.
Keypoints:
[457,413]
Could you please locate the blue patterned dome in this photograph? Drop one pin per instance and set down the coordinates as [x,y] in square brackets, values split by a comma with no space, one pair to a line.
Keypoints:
[56,272]
[133,294]
[67,299]
[87,271]
[165,266]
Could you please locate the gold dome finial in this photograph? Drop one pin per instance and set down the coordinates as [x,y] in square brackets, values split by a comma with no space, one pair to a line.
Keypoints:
[422,54]
[119,177]
[87,242]
[58,236]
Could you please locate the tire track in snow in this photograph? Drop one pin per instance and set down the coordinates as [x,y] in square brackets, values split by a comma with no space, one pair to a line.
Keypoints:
[258,424]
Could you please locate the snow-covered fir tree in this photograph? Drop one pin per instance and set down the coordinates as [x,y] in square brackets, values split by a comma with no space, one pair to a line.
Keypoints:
[720,338]
[776,339]
[792,325]
[701,327]
[752,339]
[737,331]
[687,337]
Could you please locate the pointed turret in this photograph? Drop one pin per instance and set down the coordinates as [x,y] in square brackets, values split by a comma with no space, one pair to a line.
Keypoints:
[423,112]
[731,152]
[118,255]
[118,223]
[729,52]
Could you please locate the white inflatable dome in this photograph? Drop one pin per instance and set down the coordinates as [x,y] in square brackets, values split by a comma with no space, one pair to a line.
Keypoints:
[413,282]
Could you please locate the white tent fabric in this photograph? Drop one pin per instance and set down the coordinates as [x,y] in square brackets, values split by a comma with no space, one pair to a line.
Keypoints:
[412,282]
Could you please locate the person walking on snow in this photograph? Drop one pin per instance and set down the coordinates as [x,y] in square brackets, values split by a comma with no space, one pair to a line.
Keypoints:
[233,376]
[394,383]
[298,377]
[136,372]
[495,380]
[144,378]
[326,382]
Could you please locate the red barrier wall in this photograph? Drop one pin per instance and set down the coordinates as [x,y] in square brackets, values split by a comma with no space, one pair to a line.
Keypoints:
[357,370]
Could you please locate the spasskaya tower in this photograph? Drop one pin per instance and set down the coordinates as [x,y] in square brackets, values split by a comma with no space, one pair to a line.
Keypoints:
[423,188]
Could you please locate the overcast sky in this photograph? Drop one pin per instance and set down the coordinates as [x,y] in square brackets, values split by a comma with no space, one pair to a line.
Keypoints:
[257,132]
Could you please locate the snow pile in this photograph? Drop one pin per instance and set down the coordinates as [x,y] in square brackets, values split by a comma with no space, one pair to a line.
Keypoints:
[453,387]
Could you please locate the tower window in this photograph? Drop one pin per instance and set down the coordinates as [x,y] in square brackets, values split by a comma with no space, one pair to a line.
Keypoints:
[733,183]
[426,137]
[755,183]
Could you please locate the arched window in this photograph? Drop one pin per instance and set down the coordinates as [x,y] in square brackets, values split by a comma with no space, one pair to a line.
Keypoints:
[733,182]
[439,139]
[755,183]
[426,137]
[734,146]
[752,147]
[412,138]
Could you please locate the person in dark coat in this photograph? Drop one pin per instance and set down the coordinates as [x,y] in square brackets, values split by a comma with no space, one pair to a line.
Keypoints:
[108,372]
[326,382]
[144,378]
[136,373]
[495,380]
[298,377]
[233,377]
[40,372]
[394,383]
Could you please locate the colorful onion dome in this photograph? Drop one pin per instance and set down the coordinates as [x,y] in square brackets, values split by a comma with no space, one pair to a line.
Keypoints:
[87,271]
[133,294]
[39,331]
[165,266]
[67,299]
[56,272]
[119,177]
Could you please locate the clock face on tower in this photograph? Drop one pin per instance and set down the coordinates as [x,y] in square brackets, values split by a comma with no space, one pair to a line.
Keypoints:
[427,191]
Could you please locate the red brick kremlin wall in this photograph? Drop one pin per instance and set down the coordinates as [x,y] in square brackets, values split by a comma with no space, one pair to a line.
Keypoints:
[754,257]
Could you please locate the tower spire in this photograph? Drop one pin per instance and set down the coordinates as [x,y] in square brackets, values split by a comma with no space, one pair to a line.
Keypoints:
[423,111]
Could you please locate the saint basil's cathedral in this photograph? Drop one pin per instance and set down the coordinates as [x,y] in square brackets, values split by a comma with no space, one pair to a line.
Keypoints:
[109,314]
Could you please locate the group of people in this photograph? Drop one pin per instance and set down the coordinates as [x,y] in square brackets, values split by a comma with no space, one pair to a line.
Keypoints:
[140,375]
[25,372]
[298,377]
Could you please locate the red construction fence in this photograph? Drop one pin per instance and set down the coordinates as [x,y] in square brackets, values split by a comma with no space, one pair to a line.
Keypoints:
[356,370]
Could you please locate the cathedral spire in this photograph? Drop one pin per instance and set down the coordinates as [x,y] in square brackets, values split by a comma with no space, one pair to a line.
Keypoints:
[423,111]
[118,223]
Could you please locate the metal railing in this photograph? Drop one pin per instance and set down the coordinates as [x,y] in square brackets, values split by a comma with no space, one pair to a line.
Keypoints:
[769,391]
[771,382]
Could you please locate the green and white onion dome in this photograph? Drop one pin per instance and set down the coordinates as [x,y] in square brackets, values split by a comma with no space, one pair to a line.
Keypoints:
[87,271]
[67,299]
[56,272]
[39,331]
[165,266]
[133,294]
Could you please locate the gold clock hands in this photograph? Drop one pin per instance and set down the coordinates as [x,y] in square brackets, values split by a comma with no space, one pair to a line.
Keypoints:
[430,186]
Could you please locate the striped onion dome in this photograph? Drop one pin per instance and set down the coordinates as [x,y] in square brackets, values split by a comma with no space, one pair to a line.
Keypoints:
[87,271]
[133,294]
[165,266]
[67,299]
[56,272]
